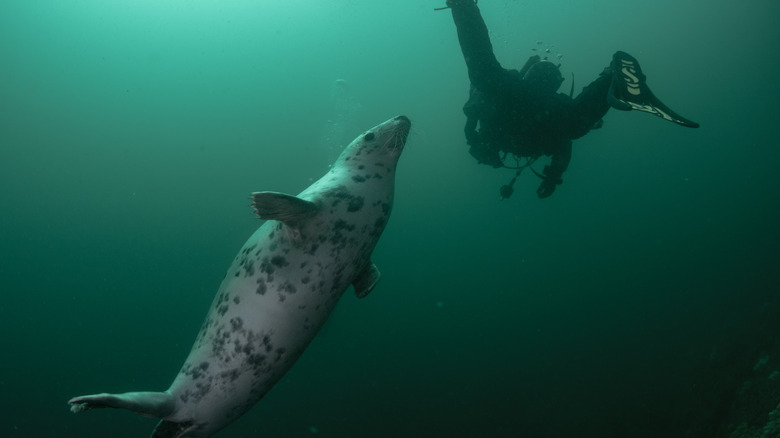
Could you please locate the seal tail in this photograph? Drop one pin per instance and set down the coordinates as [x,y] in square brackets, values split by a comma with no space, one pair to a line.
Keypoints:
[148,404]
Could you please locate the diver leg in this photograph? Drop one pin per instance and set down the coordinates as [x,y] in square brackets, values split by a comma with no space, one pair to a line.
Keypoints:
[590,106]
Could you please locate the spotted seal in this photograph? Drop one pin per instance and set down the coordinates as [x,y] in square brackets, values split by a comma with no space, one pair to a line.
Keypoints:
[279,290]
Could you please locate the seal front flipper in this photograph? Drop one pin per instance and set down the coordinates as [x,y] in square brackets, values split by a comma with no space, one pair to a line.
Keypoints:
[629,90]
[366,280]
[290,210]
[148,404]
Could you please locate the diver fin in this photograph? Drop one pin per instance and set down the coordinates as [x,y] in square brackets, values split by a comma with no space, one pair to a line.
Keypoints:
[148,404]
[629,90]
[366,280]
[290,210]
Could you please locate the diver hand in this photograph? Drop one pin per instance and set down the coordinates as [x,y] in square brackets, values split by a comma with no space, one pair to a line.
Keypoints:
[453,3]
[485,155]
[546,188]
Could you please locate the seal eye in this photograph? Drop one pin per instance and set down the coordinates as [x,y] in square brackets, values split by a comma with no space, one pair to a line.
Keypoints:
[369,136]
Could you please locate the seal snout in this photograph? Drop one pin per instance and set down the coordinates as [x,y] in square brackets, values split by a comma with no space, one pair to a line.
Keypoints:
[403,125]
[403,122]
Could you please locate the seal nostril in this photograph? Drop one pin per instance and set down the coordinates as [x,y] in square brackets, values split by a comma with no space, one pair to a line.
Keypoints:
[368,137]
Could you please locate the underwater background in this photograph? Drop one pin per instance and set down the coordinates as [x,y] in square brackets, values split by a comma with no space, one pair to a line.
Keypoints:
[641,300]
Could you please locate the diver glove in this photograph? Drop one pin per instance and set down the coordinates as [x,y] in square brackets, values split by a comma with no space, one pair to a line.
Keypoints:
[546,188]
[454,3]
[550,181]
[485,155]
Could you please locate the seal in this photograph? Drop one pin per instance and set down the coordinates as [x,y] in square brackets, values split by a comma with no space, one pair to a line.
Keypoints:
[279,290]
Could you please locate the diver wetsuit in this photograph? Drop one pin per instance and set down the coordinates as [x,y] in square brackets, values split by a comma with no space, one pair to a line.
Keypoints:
[514,117]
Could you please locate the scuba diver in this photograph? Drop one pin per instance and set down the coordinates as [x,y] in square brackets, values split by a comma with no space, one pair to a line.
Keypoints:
[521,112]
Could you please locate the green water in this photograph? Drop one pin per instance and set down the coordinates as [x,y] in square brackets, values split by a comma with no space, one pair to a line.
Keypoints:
[637,301]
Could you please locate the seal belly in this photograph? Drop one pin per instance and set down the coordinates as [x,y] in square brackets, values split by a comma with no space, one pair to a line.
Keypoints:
[267,311]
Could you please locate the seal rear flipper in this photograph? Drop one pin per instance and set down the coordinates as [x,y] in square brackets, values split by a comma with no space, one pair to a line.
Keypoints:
[169,429]
[290,210]
[148,404]
[366,280]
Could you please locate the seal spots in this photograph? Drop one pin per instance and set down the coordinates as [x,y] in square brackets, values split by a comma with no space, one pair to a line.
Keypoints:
[279,261]
[288,287]
[196,372]
[256,361]
[379,226]
[313,248]
[222,303]
[267,267]
[342,225]
[338,239]
[196,394]
[355,204]
[245,262]
[358,179]
[261,287]
[231,375]
[203,382]
[249,267]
